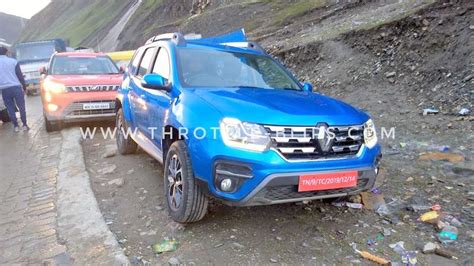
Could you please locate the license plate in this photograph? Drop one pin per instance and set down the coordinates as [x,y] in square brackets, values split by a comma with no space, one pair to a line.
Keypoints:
[95,106]
[325,181]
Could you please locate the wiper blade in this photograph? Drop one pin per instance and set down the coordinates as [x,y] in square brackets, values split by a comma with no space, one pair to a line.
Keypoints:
[247,87]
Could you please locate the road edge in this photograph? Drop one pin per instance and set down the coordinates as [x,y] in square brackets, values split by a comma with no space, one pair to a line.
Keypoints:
[80,221]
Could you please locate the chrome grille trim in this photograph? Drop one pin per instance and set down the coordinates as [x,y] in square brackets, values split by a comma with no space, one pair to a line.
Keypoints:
[300,143]
[85,88]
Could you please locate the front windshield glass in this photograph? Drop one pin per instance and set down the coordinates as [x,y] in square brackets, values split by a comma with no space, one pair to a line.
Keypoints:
[83,65]
[213,68]
[35,51]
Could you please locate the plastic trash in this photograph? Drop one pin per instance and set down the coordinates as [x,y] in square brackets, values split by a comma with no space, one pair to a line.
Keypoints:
[428,111]
[431,217]
[409,258]
[375,190]
[371,257]
[464,111]
[451,220]
[348,204]
[383,210]
[448,234]
[165,246]
[398,247]
[354,205]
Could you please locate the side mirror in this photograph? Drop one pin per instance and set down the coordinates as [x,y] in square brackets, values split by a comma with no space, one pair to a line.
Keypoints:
[155,82]
[122,69]
[42,70]
[307,87]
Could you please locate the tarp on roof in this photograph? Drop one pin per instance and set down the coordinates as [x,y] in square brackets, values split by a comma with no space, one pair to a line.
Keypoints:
[234,36]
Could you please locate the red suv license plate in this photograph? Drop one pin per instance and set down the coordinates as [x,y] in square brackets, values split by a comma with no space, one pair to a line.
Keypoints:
[325,181]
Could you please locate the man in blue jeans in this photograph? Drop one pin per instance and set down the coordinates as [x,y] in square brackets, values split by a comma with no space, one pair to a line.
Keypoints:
[12,87]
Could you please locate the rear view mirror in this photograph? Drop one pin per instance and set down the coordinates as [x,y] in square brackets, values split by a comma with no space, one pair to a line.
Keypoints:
[155,82]
[307,87]
[42,70]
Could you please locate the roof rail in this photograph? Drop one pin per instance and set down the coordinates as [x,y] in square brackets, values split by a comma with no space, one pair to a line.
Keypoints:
[176,37]
[247,45]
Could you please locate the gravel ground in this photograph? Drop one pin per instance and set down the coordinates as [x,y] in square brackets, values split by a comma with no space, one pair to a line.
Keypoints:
[393,72]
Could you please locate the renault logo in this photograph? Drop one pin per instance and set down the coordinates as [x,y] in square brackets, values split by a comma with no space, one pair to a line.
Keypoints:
[325,139]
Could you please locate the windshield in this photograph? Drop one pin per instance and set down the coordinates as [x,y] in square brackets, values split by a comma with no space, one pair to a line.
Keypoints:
[83,65]
[35,51]
[212,68]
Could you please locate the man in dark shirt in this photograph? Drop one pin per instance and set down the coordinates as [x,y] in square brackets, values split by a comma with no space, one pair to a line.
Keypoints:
[12,87]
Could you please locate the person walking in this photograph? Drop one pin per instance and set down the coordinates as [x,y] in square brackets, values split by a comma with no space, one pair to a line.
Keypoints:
[12,87]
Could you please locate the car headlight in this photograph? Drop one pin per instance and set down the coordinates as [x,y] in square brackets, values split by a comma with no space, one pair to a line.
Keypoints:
[53,87]
[244,135]
[370,135]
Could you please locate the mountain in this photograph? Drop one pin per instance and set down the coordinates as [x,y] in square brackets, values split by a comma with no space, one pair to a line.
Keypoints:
[88,22]
[11,27]
[80,22]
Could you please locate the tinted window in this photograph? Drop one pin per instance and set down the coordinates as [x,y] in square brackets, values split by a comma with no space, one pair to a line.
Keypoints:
[146,60]
[83,65]
[136,61]
[214,68]
[162,64]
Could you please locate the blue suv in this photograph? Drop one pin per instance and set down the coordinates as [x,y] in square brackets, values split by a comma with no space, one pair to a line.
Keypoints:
[230,122]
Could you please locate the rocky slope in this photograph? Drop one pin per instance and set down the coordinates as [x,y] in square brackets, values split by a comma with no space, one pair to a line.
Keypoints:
[83,22]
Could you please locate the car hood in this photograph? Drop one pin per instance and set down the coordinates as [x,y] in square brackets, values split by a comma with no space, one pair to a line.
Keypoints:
[71,80]
[280,107]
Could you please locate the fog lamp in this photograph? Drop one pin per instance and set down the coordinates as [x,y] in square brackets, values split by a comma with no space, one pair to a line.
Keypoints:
[52,107]
[226,184]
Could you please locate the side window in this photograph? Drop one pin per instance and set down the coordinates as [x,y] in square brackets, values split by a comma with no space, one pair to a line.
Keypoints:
[146,60]
[162,64]
[136,60]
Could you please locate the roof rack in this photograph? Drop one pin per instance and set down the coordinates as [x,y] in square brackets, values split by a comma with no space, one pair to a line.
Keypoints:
[247,45]
[176,37]
[236,39]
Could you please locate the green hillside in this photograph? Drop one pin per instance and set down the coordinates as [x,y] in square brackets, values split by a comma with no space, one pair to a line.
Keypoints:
[79,22]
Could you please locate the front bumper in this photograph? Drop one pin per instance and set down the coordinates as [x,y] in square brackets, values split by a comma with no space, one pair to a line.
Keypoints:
[283,188]
[274,180]
[71,107]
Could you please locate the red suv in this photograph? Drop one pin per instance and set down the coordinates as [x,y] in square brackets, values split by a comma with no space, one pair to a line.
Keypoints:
[78,87]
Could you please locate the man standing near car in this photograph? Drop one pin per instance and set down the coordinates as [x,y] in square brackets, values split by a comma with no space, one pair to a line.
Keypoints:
[12,87]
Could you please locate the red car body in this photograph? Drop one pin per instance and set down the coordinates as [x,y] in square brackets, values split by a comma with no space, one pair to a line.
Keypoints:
[79,97]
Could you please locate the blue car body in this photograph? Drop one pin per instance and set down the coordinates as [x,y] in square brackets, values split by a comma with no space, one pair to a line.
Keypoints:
[269,176]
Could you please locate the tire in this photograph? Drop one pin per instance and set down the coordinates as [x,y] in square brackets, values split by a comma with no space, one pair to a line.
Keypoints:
[125,144]
[191,205]
[4,116]
[52,126]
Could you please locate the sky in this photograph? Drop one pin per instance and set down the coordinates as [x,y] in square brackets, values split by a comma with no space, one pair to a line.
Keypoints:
[22,8]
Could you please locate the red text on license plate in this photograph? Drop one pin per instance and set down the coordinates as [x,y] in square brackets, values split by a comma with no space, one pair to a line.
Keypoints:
[324,181]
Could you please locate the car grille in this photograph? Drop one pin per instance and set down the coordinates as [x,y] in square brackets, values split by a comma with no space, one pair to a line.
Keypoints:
[92,88]
[76,109]
[291,191]
[302,143]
